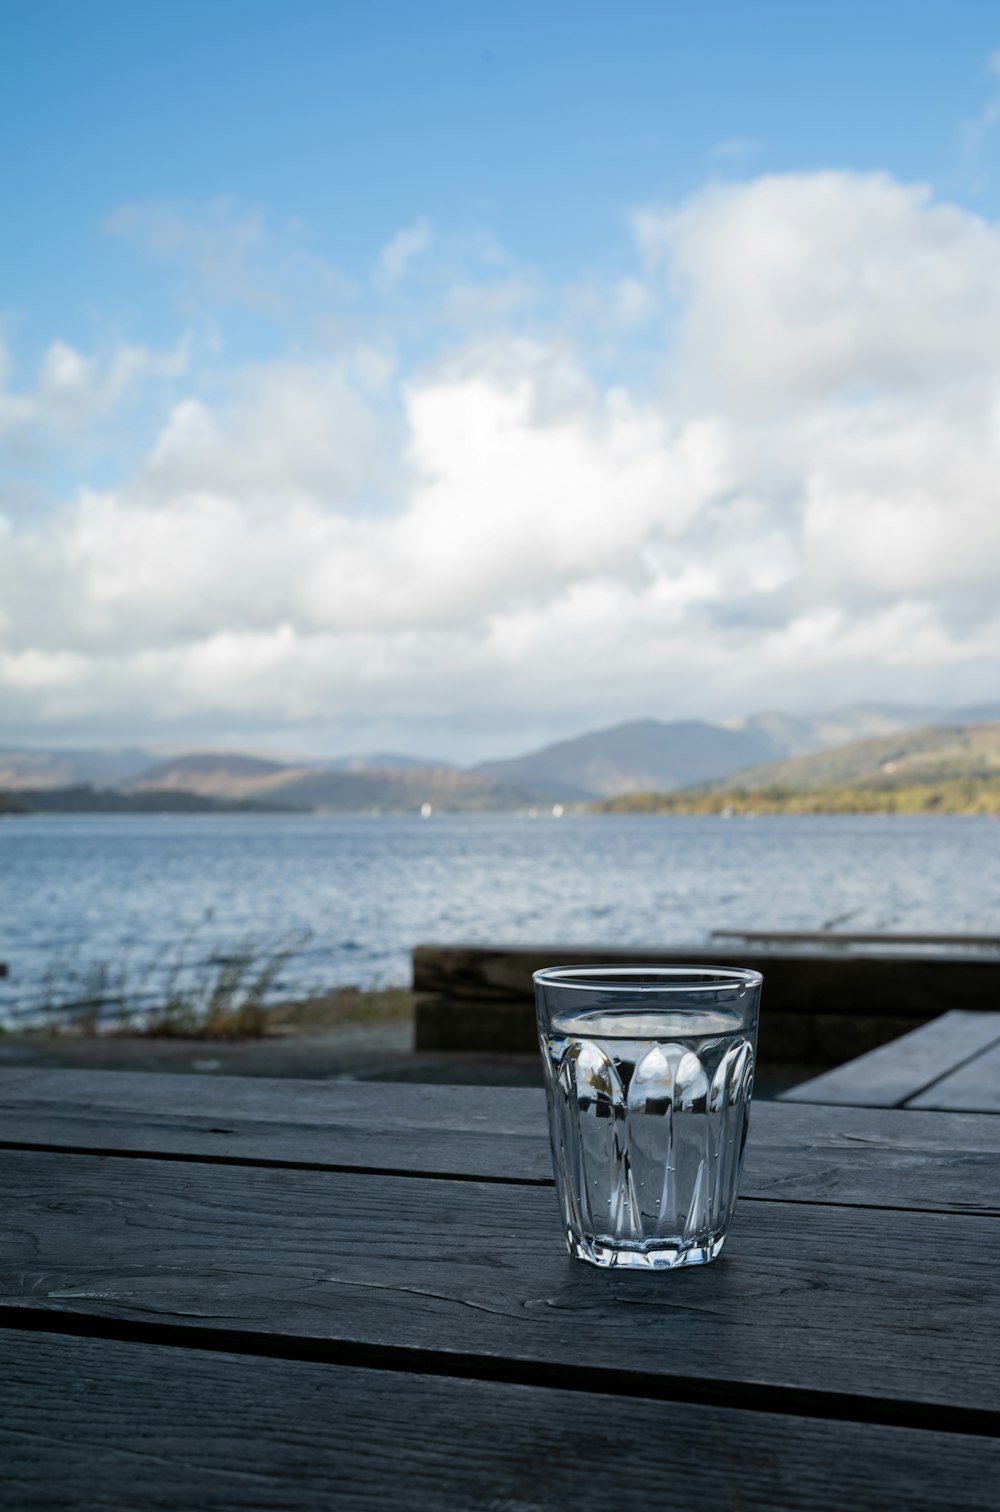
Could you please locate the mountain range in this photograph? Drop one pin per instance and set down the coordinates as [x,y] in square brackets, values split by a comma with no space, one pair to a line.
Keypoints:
[638,756]
[934,753]
[935,769]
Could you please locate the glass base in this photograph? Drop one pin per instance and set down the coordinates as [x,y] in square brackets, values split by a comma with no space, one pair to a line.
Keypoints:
[654,1254]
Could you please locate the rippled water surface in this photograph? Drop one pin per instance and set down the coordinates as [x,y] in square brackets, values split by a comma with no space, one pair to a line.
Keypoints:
[78,891]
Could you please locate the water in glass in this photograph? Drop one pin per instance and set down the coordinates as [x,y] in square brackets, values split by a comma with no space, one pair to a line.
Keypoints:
[648,1114]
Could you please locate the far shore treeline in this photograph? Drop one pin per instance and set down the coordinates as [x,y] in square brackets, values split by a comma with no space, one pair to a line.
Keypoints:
[965,795]
[962,796]
[84,799]
[642,767]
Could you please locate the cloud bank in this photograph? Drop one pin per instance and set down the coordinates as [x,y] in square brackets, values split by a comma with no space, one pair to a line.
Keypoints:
[493,542]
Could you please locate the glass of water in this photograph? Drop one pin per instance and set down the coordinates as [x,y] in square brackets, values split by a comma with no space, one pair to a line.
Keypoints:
[648,1071]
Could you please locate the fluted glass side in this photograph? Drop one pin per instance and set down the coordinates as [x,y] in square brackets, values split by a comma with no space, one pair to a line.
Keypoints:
[649,1108]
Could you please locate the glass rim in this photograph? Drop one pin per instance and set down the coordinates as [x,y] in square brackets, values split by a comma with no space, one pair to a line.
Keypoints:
[652,978]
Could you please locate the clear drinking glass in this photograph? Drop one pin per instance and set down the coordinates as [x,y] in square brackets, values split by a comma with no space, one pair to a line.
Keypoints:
[648,1071]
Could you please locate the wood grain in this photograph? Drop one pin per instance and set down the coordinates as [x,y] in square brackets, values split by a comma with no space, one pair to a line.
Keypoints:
[893,1075]
[839,937]
[939,1162]
[90,1424]
[821,1006]
[787,1035]
[369,1105]
[852,1308]
[798,981]
[974,1087]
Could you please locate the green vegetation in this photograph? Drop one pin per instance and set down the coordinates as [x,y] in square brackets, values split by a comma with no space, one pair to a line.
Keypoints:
[223,995]
[345,1005]
[938,754]
[217,995]
[938,770]
[84,799]
[959,795]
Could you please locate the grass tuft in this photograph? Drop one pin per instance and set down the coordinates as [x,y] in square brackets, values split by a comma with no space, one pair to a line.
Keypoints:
[223,995]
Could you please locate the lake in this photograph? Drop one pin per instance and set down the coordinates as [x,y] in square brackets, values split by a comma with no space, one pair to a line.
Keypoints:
[355,894]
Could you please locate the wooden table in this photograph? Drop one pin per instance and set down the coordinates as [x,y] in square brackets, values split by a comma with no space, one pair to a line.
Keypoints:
[951,1064]
[222,1293]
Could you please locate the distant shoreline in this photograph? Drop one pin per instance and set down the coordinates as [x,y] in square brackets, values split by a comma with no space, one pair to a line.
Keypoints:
[966,797]
[636,806]
[84,799]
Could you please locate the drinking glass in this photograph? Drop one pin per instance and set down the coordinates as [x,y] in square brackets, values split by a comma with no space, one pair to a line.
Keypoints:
[649,1072]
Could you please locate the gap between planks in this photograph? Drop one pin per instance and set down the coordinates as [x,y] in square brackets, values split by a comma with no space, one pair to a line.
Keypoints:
[101,1152]
[341,1168]
[945,1076]
[829,1406]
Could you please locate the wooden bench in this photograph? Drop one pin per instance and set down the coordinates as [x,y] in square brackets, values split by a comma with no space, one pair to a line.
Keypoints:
[952,1063]
[842,937]
[820,1006]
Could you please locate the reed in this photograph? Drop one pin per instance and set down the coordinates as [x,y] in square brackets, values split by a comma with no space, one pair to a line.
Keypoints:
[218,994]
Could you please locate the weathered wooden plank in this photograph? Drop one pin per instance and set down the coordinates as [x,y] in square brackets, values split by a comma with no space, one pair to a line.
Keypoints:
[96,1423]
[873,1309]
[947,1162]
[975,1087]
[852,937]
[828,1154]
[492,1025]
[917,986]
[519,1156]
[498,1026]
[818,1006]
[898,1073]
[480,1131]
[365,1105]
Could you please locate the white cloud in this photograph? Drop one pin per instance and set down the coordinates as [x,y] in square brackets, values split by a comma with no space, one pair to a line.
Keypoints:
[975,132]
[734,149]
[287,426]
[431,281]
[829,285]
[401,249]
[474,304]
[72,391]
[807,511]
[902,499]
[227,254]
[634,302]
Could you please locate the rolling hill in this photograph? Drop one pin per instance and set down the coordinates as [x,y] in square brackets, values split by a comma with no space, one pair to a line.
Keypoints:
[212,774]
[857,743]
[102,767]
[797,735]
[400,790]
[346,785]
[934,753]
[644,753]
[948,769]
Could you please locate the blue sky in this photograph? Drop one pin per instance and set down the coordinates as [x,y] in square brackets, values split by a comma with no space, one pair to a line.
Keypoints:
[387,233]
[542,122]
